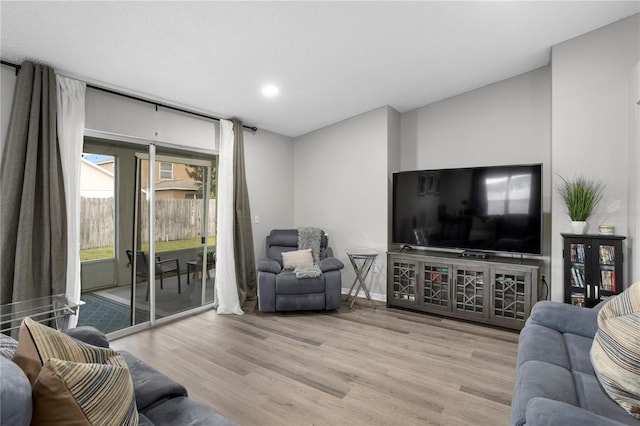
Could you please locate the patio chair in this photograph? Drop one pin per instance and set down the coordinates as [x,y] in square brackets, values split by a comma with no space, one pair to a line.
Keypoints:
[164,269]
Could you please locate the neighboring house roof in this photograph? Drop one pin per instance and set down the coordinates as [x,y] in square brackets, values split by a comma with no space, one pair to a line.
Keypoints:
[181,185]
[96,167]
[95,182]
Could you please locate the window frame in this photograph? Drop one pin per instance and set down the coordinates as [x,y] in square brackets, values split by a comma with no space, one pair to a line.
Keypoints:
[160,171]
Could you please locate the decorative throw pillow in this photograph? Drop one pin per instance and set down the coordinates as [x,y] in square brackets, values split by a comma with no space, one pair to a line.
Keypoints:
[15,395]
[70,393]
[8,346]
[615,353]
[38,343]
[74,383]
[293,259]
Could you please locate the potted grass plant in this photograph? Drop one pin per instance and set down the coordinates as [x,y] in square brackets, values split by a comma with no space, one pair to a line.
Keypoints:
[581,196]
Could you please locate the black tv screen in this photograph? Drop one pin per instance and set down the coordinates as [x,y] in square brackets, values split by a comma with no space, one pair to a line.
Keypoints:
[496,209]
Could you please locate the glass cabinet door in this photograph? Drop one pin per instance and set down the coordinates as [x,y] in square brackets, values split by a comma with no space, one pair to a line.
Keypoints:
[470,290]
[437,286]
[607,268]
[577,273]
[404,281]
[510,298]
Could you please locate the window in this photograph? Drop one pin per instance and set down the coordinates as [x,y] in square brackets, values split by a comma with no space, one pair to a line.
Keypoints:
[508,194]
[97,206]
[166,171]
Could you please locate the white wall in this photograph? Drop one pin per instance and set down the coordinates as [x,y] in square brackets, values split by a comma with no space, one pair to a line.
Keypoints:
[394,160]
[508,122]
[269,169]
[590,124]
[341,186]
[634,174]
[504,123]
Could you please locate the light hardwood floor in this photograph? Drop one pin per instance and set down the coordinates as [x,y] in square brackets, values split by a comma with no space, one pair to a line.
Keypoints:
[359,367]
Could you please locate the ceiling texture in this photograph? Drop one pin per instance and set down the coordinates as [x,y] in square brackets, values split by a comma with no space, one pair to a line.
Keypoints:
[330,60]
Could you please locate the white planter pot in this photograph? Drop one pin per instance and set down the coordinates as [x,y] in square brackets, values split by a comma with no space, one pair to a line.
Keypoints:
[578,227]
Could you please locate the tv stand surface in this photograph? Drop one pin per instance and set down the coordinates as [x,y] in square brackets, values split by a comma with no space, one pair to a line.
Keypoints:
[499,291]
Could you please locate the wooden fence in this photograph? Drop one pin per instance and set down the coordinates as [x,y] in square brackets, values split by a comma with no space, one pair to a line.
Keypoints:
[175,220]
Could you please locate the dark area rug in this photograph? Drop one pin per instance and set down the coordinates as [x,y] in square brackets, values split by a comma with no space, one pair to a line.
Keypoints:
[107,315]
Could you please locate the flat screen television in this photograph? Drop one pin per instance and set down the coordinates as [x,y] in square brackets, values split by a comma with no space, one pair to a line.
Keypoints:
[493,209]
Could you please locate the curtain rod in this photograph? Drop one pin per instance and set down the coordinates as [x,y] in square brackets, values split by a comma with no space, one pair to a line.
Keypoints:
[136,98]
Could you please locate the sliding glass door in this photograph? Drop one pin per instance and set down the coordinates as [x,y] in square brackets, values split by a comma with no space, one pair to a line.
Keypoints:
[174,234]
[150,226]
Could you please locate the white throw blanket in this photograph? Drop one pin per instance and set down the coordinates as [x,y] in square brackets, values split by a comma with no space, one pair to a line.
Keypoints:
[309,238]
[308,271]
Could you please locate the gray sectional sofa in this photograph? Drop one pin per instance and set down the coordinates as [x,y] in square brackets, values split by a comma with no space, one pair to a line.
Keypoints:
[159,399]
[555,381]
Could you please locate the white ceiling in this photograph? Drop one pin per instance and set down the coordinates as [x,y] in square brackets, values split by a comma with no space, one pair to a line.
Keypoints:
[331,60]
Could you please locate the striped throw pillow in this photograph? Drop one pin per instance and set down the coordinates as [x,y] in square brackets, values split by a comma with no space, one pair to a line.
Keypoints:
[68,393]
[74,383]
[615,353]
[38,343]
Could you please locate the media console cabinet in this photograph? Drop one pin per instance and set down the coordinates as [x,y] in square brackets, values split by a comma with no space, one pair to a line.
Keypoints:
[497,291]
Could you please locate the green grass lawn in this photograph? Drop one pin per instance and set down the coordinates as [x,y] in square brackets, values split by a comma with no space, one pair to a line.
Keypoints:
[107,252]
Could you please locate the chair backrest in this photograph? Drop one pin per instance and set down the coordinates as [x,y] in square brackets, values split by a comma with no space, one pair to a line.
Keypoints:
[142,267]
[283,240]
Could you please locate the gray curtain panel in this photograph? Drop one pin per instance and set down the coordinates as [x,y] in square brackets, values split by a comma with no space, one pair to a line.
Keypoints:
[33,215]
[243,234]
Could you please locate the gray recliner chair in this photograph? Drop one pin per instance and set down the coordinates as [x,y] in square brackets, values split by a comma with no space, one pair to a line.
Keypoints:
[280,290]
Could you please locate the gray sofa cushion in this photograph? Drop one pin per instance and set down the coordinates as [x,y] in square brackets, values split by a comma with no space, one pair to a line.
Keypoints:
[565,318]
[542,344]
[300,302]
[143,420]
[331,264]
[283,240]
[15,395]
[288,283]
[592,397]
[150,385]
[269,265]
[283,237]
[90,335]
[185,412]
[578,348]
[540,379]
[546,412]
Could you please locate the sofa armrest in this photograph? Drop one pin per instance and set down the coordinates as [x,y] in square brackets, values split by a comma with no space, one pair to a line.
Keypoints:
[269,265]
[565,318]
[330,264]
[547,412]
[150,385]
[266,291]
[15,395]
[88,334]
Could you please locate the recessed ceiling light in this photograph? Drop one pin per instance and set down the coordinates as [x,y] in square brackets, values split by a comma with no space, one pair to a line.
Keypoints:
[270,90]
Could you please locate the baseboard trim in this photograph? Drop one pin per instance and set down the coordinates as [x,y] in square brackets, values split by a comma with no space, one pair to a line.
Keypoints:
[379,297]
